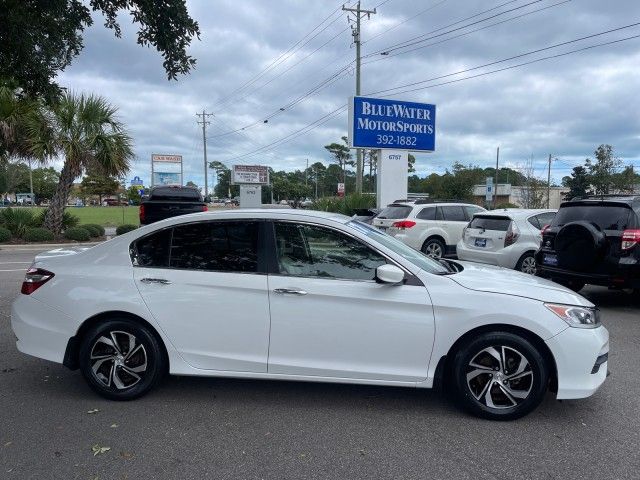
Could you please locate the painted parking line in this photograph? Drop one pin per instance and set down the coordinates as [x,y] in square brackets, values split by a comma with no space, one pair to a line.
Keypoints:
[18,270]
[7,263]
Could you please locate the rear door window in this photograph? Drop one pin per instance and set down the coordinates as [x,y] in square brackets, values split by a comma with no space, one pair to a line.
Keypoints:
[428,213]
[453,214]
[500,224]
[606,217]
[216,246]
[395,211]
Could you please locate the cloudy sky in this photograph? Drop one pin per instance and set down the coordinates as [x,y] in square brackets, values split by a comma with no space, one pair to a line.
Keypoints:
[275,60]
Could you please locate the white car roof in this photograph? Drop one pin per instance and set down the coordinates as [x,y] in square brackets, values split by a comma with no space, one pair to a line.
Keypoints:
[515,212]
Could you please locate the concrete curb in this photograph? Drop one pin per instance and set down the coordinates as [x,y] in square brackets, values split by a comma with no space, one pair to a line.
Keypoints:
[40,246]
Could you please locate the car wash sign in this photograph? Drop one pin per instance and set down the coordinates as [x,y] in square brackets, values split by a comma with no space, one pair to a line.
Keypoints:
[392,124]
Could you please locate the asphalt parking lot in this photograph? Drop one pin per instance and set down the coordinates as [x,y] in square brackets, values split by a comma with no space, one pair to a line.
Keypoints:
[236,429]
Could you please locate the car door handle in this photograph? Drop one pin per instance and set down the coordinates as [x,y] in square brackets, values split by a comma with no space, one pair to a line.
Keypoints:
[161,281]
[289,291]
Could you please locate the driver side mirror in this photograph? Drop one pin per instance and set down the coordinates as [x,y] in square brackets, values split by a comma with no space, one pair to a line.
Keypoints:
[389,274]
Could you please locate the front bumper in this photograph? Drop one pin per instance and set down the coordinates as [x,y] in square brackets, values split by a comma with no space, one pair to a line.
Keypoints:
[39,328]
[576,352]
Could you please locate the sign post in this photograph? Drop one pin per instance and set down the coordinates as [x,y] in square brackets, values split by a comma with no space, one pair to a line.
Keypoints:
[394,128]
[169,174]
[489,194]
[250,178]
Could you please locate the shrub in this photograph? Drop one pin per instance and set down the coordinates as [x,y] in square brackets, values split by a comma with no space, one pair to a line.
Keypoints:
[346,205]
[506,205]
[5,234]
[125,228]
[17,220]
[78,234]
[93,229]
[37,234]
[68,219]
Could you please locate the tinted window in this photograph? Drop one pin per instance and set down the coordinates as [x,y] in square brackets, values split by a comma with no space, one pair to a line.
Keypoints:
[542,219]
[311,251]
[223,247]
[471,210]
[428,213]
[607,217]
[395,211]
[453,214]
[175,194]
[500,224]
[152,250]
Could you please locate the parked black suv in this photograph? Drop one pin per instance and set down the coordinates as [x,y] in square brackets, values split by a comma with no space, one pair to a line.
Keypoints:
[593,240]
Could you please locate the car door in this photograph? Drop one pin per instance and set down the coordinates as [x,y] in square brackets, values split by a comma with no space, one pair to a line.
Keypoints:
[330,318]
[202,283]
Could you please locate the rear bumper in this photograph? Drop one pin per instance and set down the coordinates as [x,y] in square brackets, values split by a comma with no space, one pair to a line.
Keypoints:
[37,328]
[504,257]
[626,277]
[577,353]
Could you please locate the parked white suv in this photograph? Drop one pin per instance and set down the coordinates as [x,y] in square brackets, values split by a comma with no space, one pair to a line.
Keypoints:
[508,238]
[432,227]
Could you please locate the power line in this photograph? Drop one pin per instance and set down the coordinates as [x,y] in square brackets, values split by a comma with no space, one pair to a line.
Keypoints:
[513,58]
[333,113]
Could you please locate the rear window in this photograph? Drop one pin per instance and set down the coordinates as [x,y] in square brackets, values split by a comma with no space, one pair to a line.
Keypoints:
[395,211]
[172,194]
[500,224]
[607,217]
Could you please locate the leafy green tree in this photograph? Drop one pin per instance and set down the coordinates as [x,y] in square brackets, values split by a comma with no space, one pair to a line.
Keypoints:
[45,181]
[578,183]
[412,163]
[39,39]
[191,184]
[133,194]
[340,154]
[100,185]
[87,134]
[603,169]
[14,176]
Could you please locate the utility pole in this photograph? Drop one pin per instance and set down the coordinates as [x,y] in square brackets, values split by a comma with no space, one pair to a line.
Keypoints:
[549,183]
[315,174]
[355,31]
[495,194]
[204,123]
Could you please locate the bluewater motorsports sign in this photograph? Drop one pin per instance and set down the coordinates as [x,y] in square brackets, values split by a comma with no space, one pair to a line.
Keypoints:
[392,124]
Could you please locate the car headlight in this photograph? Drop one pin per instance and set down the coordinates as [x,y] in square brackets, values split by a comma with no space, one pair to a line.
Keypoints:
[580,317]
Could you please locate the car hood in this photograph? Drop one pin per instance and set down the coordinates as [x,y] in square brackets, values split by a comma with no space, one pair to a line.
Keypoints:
[487,278]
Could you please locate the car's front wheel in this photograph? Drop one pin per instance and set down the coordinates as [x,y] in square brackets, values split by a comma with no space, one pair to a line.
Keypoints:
[121,360]
[499,376]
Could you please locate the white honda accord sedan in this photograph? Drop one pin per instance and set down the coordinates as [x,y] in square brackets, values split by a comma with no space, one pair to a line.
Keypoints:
[304,295]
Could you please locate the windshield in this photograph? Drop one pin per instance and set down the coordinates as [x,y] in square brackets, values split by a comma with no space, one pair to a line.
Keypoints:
[395,211]
[607,217]
[419,259]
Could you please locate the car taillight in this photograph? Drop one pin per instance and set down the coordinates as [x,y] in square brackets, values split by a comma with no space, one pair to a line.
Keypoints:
[34,279]
[512,235]
[630,238]
[205,208]
[141,214]
[545,228]
[403,224]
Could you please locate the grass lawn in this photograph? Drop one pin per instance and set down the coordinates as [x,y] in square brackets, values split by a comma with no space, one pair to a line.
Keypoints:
[105,216]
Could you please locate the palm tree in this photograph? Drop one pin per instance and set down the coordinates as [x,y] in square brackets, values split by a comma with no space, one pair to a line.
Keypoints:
[88,134]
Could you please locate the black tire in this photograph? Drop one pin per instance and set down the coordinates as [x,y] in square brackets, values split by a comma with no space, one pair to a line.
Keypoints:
[482,390]
[523,264]
[147,360]
[433,245]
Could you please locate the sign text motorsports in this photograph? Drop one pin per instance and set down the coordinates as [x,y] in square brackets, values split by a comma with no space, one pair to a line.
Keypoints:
[391,124]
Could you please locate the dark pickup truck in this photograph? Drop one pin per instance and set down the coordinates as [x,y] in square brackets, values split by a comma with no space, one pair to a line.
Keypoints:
[170,201]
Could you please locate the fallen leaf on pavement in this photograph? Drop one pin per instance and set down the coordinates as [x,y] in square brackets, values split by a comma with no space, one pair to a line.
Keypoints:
[95,410]
[98,450]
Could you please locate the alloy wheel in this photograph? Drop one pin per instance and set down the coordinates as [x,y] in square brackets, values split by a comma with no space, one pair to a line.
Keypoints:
[528,265]
[118,359]
[433,250]
[499,377]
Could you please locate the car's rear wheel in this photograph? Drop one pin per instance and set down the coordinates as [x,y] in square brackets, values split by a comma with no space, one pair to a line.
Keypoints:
[527,264]
[434,247]
[121,360]
[499,376]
